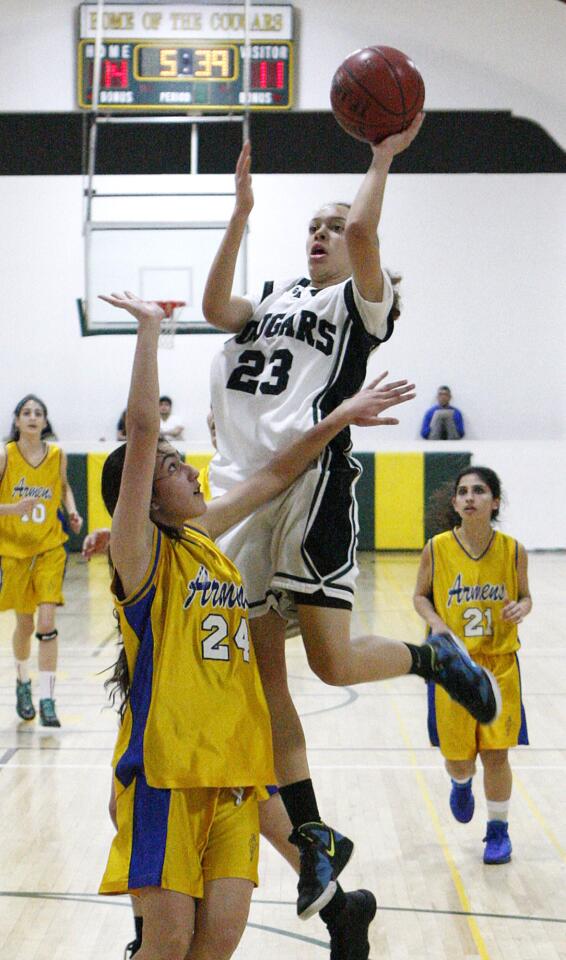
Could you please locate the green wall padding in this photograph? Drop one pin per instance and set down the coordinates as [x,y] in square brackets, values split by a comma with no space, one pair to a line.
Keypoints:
[440,468]
[365,495]
[76,475]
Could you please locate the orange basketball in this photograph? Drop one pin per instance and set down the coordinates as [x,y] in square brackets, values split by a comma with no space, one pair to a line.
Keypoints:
[376,92]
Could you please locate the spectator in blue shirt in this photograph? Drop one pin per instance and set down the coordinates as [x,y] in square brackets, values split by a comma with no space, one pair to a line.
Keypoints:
[443,421]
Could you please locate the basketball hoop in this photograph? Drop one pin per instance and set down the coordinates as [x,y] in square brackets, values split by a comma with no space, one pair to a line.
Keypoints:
[172,310]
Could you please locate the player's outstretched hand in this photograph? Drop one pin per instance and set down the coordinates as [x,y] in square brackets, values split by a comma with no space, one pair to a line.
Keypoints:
[364,409]
[398,141]
[96,542]
[244,192]
[145,311]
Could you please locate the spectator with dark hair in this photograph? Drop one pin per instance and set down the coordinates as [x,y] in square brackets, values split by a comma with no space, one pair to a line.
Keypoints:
[121,427]
[170,425]
[443,421]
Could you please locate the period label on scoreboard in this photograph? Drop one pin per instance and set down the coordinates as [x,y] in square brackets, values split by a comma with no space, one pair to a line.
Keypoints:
[178,57]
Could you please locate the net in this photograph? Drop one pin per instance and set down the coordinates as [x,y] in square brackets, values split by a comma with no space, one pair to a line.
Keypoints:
[170,323]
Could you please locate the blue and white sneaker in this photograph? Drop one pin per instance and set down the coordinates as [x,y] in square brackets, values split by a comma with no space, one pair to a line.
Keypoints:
[497,842]
[462,801]
[323,853]
[470,685]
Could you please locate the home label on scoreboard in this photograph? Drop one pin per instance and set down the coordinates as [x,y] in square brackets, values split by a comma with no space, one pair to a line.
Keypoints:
[180,57]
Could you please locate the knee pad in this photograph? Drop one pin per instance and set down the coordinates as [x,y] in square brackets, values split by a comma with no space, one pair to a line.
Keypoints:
[52,635]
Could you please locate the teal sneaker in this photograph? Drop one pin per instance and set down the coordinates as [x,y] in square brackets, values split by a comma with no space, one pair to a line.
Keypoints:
[24,705]
[323,854]
[497,842]
[47,715]
[462,801]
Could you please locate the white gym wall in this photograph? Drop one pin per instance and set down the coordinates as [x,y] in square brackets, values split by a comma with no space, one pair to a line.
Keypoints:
[482,256]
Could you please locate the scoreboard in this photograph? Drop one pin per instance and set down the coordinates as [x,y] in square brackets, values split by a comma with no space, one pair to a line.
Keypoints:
[186,57]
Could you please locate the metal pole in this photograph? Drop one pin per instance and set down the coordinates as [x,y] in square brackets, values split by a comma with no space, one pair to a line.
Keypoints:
[92,148]
[94,102]
[247,71]
[246,122]
[194,148]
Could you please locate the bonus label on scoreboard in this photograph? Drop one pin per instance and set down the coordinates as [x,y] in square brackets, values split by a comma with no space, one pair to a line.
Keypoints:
[174,57]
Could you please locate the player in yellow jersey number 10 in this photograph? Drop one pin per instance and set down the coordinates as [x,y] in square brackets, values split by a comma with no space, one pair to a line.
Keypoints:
[33,488]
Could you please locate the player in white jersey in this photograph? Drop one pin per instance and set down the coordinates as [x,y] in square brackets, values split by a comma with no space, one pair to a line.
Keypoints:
[297,351]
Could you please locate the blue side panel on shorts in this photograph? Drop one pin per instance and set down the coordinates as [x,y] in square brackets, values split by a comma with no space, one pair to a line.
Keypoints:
[431,717]
[523,739]
[272,790]
[64,526]
[138,616]
[149,839]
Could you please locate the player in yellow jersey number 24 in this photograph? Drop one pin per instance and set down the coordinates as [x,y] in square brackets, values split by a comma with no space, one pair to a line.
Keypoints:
[195,724]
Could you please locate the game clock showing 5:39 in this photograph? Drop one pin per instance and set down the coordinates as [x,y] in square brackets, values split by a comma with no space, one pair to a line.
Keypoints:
[186,73]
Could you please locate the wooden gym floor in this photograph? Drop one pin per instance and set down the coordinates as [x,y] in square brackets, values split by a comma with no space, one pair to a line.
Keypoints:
[376,776]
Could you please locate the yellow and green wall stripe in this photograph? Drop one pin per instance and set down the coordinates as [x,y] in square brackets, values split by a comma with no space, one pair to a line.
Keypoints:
[394,494]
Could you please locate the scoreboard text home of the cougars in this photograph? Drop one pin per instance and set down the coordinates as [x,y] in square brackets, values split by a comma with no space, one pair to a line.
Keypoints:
[186,57]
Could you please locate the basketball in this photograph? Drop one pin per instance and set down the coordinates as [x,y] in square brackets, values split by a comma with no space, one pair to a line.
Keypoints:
[376,92]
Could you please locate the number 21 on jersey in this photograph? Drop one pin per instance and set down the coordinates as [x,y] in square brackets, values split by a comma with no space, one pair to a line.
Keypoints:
[478,622]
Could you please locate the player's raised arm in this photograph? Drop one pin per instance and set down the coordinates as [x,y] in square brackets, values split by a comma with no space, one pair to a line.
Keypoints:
[365,213]
[363,409]
[132,529]
[219,307]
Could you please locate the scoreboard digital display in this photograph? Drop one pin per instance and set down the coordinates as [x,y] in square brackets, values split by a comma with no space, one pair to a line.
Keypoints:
[187,73]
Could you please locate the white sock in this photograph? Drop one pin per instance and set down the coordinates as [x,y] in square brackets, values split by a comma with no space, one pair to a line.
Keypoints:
[46,685]
[498,810]
[22,670]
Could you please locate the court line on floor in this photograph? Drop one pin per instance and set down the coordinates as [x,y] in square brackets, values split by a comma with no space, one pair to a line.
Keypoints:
[112,902]
[537,813]
[346,748]
[455,874]
[407,767]
[259,901]
[458,883]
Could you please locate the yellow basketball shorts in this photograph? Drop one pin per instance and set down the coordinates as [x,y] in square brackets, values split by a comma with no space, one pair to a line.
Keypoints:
[26,582]
[180,839]
[459,736]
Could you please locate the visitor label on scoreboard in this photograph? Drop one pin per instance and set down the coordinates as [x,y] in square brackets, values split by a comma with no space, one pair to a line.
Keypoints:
[174,57]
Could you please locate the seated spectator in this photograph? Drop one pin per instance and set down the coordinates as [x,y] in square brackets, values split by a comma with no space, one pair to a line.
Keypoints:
[121,427]
[443,421]
[171,427]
